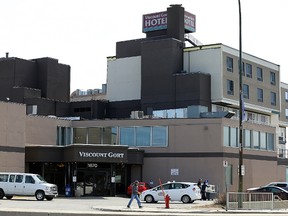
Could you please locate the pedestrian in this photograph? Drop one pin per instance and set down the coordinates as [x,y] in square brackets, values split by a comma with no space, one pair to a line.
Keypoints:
[134,195]
[203,190]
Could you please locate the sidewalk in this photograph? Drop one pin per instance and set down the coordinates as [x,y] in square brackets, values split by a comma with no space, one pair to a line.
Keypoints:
[197,208]
[114,206]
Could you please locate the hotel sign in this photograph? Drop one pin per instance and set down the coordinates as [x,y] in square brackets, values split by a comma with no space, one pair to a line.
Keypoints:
[96,154]
[158,21]
[155,21]
[101,154]
[189,22]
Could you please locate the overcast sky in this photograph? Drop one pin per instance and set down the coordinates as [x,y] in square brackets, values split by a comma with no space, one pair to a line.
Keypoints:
[83,33]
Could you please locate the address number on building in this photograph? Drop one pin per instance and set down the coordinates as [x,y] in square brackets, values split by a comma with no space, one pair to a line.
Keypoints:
[92,165]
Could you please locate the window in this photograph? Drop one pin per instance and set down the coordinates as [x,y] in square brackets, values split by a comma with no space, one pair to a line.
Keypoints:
[260,95]
[29,179]
[230,87]
[226,136]
[107,135]
[263,119]
[11,178]
[272,78]
[159,136]
[270,141]
[80,135]
[247,138]
[233,137]
[245,91]
[249,70]
[229,62]
[19,178]
[251,116]
[144,136]
[255,139]
[166,187]
[259,74]
[286,96]
[273,98]
[263,140]
[251,139]
[3,177]
[64,136]
[127,136]
[91,135]
[286,113]
[94,135]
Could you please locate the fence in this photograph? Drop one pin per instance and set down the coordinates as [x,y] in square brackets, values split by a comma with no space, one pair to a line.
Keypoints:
[249,201]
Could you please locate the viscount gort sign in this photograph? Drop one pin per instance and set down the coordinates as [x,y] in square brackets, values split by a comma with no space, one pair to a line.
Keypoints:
[101,155]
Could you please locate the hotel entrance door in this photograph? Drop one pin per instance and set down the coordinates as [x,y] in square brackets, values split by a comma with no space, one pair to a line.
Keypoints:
[96,183]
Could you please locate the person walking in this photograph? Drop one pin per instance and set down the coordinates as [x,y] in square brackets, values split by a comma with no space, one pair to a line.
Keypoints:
[134,195]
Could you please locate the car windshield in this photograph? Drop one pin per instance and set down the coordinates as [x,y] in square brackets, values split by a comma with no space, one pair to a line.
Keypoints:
[40,178]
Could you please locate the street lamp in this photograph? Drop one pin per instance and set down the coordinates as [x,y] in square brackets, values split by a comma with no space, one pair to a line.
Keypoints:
[241,111]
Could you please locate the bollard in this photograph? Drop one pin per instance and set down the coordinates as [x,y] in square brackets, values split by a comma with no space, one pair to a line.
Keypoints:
[167,200]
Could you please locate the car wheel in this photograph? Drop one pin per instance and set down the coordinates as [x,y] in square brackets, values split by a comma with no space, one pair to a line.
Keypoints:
[185,199]
[149,199]
[40,195]
[9,197]
[1,194]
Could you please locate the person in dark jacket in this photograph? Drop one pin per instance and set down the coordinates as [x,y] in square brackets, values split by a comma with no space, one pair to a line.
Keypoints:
[199,183]
[203,190]
[134,195]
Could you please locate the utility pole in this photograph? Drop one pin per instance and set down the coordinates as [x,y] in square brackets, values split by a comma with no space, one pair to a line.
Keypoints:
[241,167]
[240,189]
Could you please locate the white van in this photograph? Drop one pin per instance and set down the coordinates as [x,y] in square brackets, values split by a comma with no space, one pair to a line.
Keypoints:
[26,184]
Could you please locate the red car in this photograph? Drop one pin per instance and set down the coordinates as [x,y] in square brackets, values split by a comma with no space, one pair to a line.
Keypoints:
[142,186]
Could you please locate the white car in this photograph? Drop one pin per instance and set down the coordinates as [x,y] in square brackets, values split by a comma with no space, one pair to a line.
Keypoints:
[187,192]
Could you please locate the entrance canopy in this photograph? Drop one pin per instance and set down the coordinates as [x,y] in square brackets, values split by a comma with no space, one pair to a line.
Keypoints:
[84,153]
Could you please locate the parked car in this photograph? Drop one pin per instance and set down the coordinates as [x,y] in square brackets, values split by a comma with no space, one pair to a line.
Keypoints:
[278,184]
[26,184]
[187,192]
[142,186]
[277,191]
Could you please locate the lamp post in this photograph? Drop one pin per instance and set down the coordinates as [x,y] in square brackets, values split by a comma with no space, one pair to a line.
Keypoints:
[240,188]
[241,111]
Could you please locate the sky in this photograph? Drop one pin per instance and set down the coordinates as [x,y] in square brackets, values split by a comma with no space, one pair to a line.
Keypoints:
[83,33]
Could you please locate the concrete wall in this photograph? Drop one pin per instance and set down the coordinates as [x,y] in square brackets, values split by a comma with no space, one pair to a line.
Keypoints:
[42,130]
[207,61]
[124,79]
[12,136]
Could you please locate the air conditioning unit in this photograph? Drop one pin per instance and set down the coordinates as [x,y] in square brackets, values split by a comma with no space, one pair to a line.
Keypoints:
[137,115]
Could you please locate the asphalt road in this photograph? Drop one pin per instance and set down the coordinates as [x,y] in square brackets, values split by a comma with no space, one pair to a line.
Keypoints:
[29,206]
